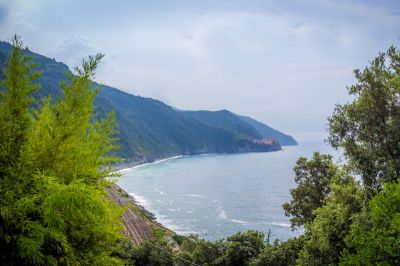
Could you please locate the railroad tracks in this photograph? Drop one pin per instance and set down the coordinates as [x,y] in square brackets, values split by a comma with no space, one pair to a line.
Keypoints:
[135,226]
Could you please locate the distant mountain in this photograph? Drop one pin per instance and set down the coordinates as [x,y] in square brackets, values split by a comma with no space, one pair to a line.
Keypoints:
[268,132]
[150,129]
[224,119]
[241,125]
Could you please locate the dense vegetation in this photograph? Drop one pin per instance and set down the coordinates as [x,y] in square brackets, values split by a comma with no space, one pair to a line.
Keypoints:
[53,169]
[55,160]
[149,129]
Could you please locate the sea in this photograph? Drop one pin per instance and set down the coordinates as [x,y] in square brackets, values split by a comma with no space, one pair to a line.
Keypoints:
[217,195]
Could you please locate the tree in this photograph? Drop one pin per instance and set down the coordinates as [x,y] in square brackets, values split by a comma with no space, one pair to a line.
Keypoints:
[374,238]
[199,251]
[241,248]
[279,253]
[67,141]
[15,99]
[313,178]
[154,253]
[326,234]
[367,127]
[53,165]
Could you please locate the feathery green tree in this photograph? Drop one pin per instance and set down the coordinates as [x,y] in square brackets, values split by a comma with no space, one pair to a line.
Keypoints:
[53,167]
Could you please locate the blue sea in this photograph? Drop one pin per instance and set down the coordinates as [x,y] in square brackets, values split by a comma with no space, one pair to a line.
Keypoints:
[217,195]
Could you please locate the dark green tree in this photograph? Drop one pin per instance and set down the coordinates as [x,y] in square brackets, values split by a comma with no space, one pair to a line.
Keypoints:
[280,253]
[367,128]
[151,253]
[199,251]
[326,234]
[241,248]
[313,178]
[375,235]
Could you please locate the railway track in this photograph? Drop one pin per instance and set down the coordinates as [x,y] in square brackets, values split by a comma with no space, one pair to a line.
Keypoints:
[135,226]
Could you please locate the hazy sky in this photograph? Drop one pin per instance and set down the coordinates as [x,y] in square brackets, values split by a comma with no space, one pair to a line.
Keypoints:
[285,63]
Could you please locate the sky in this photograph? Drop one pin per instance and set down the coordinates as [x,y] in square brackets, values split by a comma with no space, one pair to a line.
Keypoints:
[286,63]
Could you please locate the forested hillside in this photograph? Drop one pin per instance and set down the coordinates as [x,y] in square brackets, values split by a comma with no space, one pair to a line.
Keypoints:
[150,129]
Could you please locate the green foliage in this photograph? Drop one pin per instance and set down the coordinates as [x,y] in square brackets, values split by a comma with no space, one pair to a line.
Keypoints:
[151,253]
[66,141]
[240,248]
[53,164]
[367,129]
[280,253]
[16,97]
[375,235]
[313,178]
[199,251]
[325,235]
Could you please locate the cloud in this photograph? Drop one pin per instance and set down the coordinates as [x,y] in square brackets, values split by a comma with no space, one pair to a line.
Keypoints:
[4,11]
[72,50]
[267,59]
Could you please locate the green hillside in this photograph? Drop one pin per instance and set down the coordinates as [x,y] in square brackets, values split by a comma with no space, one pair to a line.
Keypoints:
[148,128]
[241,125]
[224,119]
[268,132]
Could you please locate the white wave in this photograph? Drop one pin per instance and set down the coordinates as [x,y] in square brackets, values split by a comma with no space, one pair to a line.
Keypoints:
[238,221]
[140,199]
[162,219]
[174,210]
[159,191]
[280,224]
[221,213]
[186,233]
[168,223]
[125,170]
[129,169]
[194,195]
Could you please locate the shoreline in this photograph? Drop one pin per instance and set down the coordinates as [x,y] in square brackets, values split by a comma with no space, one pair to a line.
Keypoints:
[133,165]
[127,167]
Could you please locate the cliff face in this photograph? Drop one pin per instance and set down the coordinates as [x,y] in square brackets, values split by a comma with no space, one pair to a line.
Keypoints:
[149,129]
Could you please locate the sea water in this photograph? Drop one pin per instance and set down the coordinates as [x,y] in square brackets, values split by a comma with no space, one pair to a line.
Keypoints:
[217,195]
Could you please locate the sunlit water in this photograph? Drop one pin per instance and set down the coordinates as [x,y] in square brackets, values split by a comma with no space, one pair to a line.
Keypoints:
[216,195]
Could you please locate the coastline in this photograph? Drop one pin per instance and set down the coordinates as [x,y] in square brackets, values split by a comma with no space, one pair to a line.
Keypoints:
[133,165]
[138,206]
[140,203]
[139,223]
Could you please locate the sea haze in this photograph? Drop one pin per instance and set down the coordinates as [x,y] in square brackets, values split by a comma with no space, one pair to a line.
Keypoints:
[217,195]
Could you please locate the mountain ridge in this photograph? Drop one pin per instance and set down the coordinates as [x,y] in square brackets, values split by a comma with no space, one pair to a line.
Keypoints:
[148,128]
